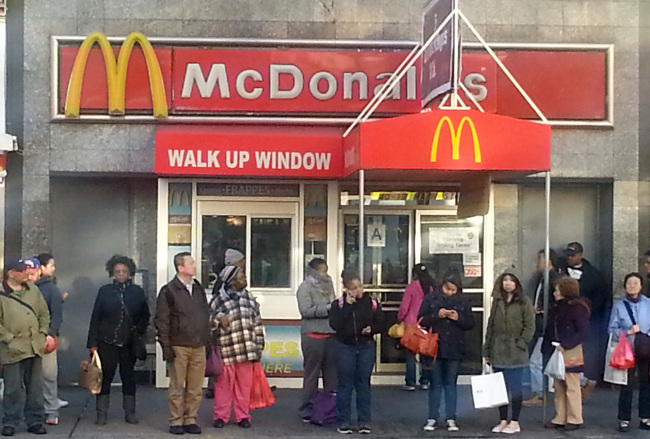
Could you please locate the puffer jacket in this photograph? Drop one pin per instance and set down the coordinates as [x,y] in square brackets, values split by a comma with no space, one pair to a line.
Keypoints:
[314,297]
[349,320]
[23,332]
[510,327]
[451,341]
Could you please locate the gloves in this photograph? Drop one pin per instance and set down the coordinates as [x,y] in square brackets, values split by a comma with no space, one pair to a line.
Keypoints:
[168,354]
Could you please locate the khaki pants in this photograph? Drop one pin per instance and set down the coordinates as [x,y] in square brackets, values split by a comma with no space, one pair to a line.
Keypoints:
[186,375]
[568,400]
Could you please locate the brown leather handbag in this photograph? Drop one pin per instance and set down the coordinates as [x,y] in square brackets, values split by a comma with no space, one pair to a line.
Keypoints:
[420,341]
[90,374]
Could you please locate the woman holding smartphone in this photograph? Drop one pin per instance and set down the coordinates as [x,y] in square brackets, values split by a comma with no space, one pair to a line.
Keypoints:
[355,317]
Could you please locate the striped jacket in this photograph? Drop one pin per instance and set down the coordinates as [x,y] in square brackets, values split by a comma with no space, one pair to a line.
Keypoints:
[243,340]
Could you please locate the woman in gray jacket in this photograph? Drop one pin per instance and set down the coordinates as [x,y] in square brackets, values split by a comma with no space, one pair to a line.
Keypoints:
[315,295]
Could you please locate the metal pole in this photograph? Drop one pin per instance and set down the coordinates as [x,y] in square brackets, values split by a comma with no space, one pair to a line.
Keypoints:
[547,287]
[362,229]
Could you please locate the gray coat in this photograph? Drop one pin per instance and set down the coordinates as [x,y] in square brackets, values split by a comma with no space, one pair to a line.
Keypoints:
[314,297]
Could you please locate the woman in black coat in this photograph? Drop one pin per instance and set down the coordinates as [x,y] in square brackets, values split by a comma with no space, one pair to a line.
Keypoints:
[449,312]
[120,317]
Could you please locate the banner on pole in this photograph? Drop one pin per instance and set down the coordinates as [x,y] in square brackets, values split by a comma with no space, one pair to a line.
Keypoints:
[438,59]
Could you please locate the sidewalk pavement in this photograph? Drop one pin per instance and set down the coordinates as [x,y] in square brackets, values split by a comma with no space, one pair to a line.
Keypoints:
[396,414]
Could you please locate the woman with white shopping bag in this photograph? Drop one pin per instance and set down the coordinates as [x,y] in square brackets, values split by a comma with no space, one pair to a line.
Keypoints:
[568,327]
[510,328]
[632,315]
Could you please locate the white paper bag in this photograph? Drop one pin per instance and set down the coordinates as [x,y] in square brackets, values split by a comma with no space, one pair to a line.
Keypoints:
[489,390]
[555,367]
[614,376]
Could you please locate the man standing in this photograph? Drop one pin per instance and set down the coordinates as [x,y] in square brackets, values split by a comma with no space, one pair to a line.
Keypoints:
[537,361]
[54,301]
[24,328]
[593,288]
[183,325]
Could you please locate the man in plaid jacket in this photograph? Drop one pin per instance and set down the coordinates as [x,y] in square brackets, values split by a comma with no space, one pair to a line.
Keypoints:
[240,335]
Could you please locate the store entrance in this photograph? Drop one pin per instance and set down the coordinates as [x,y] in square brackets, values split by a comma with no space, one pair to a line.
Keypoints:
[265,232]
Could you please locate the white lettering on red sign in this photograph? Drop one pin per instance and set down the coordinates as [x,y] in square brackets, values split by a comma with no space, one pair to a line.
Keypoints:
[187,158]
[322,85]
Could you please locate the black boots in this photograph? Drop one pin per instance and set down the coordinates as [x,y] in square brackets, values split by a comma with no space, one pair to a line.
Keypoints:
[128,402]
[102,403]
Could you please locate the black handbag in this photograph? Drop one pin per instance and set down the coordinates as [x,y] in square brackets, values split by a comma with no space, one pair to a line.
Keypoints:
[138,345]
[641,340]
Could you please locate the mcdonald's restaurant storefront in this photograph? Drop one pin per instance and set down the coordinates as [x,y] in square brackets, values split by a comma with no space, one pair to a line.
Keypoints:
[249,153]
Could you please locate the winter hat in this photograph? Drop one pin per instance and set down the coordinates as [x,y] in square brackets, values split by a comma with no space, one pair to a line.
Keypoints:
[233,256]
[228,274]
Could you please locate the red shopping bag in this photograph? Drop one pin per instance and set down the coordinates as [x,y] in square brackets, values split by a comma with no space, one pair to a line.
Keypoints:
[261,394]
[623,356]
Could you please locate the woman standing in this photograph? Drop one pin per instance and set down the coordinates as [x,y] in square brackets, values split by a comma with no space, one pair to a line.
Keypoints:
[421,285]
[120,313]
[356,318]
[449,313]
[568,325]
[510,328]
[240,335]
[315,296]
[632,315]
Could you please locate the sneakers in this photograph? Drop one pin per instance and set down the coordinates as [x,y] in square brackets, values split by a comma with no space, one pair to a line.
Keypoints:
[63,403]
[533,401]
[245,423]
[345,429]
[623,426]
[424,387]
[431,425]
[644,424]
[364,429]
[511,428]
[408,388]
[306,419]
[52,420]
[451,425]
[219,423]
[499,427]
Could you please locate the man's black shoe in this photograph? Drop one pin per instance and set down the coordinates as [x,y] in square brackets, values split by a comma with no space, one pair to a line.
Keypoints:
[192,429]
[245,423]
[176,429]
[8,430]
[37,429]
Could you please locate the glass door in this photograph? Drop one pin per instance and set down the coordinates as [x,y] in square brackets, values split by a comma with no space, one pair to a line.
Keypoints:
[265,232]
[446,244]
[386,270]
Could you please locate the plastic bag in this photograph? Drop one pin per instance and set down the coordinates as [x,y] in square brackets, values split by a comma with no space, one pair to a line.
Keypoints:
[324,410]
[614,376]
[489,390]
[396,330]
[90,374]
[214,363]
[555,367]
[623,356]
[261,394]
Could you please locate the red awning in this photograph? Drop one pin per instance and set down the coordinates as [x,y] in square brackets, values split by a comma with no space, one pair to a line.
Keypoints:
[453,142]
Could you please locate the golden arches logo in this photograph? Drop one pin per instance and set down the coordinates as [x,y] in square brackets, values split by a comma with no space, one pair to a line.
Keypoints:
[116,74]
[179,196]
[455,138]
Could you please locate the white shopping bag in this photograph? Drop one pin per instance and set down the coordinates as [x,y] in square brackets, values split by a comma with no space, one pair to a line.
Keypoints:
[555,367]
[489,390]
[614,376]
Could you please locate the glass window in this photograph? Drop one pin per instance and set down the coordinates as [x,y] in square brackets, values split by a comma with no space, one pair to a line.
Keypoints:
[315,222]
[220,232]
[453,245]
[271,255]
[473,361]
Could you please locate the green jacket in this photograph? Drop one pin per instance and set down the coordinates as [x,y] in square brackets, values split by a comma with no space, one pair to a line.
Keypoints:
[22,333]
[510,327]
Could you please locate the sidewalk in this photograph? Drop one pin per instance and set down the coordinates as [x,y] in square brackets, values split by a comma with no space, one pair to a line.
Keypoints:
[397,414]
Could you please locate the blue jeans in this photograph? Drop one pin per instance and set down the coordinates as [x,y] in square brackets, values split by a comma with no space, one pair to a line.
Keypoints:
[443,377]
[23,397]
[354,366]
[411,364]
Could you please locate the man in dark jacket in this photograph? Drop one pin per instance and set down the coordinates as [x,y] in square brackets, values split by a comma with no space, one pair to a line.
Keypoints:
[54,302]
[183,324]
[537,360]
[592,287]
